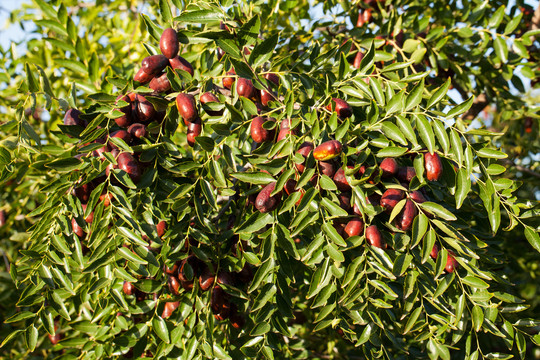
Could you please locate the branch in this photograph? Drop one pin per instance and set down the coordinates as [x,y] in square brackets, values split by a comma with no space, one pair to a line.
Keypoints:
[521,168]
[479,104]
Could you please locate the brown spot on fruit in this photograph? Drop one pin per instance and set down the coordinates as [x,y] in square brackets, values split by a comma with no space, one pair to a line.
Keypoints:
[374,237]
[327,150]
[354,227]
[390,198]
[154,64]
[260,134]
[433,166]
[266,203]
[342,108]
[179,63]
[187,107]
[168,43]
[389,167]
[3,217]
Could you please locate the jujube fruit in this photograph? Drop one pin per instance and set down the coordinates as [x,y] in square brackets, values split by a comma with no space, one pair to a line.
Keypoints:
[137,130]
[208,97]
[417,197]
[451,262]
[142,76]
[206,279]
[266,203]
[228,81]
[72,118]
[405,218]
[389,167]
[128,288]
[145,109]
[120,134]
[327,168]
[168,43]
[77,230]
[285,130]
[169,308]
[304,150]
[342,108]
[327,150]
[406,173]
[124,120]
[354,227]
[341,180]
[194,129]
[245,88]
[160,83]
[258,133]
[180,63]
[83,192]
[273,78]
[174,285]
[129,164]
[161,228]
[187,107]
[433,166]
[434,252]
[374,237]
[154,64]
[266,97]
[390,198]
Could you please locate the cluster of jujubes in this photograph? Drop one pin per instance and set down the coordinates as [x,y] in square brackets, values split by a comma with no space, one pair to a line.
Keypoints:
[327,163]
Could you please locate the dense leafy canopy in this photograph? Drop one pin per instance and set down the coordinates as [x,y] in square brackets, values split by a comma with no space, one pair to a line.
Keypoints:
[416,76]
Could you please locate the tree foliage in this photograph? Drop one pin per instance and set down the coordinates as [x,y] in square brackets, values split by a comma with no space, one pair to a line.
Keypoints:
[324,263]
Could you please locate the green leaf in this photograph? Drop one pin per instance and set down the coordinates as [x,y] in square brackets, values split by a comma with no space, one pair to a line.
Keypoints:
[334,209]
[52,25]
[491,153]
[426,132]
[255,223]
[501,49]
[332,233]
[393,132]
[20,316]
[438,210]
[152,28]
[199,17]
[264,51]
[33,85]
[392,151]
[31,337]
[415,97]
[407,129]
[131,256]
[419,228]
[439,94]
[412,319]
[160,328]
[165,10]
[257,178]
[441,134]
[461,108]
[463,182]
[475,282]
[533,237]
